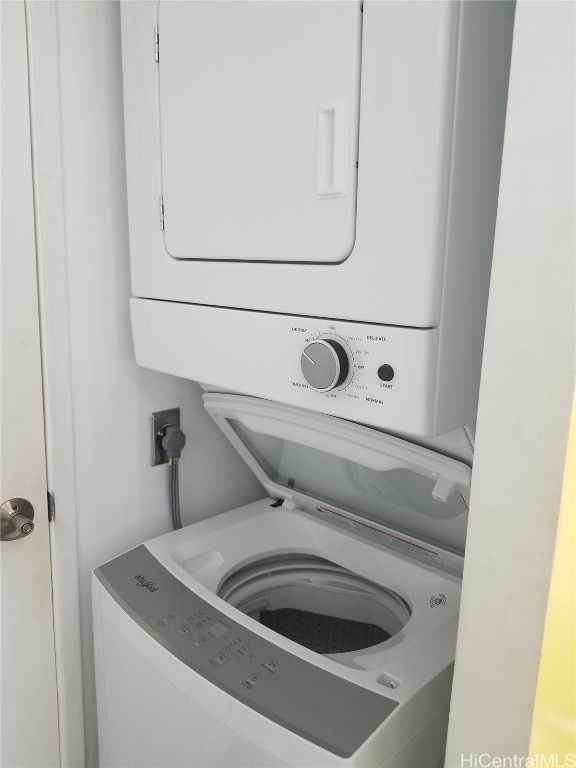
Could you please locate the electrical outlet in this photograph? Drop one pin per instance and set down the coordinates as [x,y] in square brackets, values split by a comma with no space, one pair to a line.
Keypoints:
[158,420]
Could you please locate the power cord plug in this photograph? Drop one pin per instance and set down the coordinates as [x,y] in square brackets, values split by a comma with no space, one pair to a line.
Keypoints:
[171,441]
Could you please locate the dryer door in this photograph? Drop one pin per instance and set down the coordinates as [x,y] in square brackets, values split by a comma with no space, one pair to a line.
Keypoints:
[367,479]
[259,129]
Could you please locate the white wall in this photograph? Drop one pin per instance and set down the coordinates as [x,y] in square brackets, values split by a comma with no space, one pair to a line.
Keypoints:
[525,397]
[119,500]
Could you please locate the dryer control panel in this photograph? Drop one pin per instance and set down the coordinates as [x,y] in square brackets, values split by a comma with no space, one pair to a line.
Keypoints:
[327,363]
[379,375]
[385,376]
[333,362]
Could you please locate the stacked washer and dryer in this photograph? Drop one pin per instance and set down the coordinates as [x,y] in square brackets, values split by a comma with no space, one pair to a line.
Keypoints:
[312,193]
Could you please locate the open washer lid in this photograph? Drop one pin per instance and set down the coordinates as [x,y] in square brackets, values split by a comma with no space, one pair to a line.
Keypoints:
[408,497]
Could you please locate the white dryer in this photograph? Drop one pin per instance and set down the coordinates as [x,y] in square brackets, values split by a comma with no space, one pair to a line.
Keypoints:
[332,164]
[316,627]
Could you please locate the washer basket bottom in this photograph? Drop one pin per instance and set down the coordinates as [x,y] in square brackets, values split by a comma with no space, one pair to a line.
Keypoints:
[320,633]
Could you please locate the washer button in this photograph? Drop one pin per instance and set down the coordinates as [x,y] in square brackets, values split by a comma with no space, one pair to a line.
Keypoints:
[219,659]
[386,372]
[250,682]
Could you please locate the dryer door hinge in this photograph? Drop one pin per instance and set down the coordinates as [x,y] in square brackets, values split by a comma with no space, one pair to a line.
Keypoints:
[156,44]
[162,213]
[51,507]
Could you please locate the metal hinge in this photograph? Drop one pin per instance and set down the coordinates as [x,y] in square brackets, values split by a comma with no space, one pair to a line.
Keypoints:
[162,213]
[51,507]
[156,44]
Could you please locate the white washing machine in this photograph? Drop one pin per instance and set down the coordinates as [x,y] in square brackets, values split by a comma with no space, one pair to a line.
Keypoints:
[316,627]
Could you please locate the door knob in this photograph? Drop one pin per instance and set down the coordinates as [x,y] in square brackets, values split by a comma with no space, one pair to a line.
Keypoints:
[16,517]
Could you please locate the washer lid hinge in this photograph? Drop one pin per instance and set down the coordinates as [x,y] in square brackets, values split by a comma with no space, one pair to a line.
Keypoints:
[161,213]
[283,503]
[156,44]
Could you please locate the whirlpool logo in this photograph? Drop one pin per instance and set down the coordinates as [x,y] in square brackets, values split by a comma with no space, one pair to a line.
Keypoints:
[146,583]
[436,601]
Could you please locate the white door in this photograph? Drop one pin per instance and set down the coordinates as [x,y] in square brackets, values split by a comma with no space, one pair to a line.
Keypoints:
[259,129]
[29,714]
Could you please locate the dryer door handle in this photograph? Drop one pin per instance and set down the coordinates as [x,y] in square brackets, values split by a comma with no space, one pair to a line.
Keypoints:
[332,168]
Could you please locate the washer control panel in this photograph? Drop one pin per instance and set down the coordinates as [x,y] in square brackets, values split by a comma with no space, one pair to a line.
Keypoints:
[324,708]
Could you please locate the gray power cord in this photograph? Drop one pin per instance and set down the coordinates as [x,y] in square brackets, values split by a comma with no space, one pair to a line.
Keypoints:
[171,440]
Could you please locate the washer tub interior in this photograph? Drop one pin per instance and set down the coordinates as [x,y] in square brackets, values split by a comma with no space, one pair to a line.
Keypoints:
[316,603]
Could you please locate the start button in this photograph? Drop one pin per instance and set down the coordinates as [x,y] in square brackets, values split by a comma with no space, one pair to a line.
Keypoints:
[386,372]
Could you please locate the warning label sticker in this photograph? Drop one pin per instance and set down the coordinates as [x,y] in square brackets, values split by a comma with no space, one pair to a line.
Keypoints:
[394,540]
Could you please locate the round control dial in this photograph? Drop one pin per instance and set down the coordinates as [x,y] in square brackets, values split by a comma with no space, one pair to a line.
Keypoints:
[325,364]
